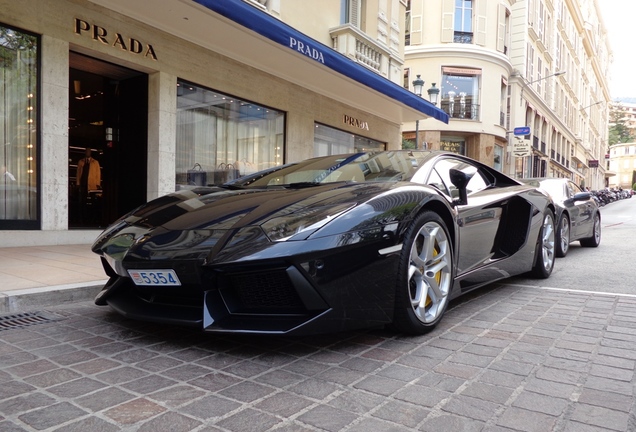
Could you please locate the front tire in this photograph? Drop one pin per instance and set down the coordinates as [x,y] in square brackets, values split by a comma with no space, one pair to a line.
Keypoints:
[595,240]
[425,275]
[544,261]
[563,236]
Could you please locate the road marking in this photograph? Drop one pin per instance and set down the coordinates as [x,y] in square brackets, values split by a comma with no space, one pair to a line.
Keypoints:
[613,225]
[576,291]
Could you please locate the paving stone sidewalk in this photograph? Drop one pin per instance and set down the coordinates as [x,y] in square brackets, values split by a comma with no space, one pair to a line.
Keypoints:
[509,358]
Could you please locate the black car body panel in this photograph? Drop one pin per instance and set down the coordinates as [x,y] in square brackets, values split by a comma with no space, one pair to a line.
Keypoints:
[310,256]
[570,200]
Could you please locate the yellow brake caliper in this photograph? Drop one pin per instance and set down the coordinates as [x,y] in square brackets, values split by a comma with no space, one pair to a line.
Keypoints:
[438,278]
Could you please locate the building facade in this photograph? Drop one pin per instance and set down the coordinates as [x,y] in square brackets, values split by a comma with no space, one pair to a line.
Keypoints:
[153,97]
[524,83]
[622,163]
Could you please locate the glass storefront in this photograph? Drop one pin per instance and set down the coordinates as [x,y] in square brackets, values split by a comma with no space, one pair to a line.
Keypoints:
[18,128]
[220,137]
[331,141]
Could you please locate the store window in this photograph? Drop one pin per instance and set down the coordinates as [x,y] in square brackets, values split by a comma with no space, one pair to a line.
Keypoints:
[460,92]
[331,141]
[220,137]
[18,128]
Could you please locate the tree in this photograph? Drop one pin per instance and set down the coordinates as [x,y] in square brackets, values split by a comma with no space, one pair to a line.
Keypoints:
[619,131]
[408,144]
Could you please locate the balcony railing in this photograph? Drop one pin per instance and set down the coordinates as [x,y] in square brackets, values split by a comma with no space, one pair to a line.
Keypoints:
[463,37]
[361,48]
[459,110]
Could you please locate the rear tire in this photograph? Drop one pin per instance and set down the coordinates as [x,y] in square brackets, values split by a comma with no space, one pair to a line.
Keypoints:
[595,240]
[425,275]
[544,261]
[563,236]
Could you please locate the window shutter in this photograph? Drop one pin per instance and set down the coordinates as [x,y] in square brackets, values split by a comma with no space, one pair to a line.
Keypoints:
[480,36]
[354,13]
[501,28]
[448,10]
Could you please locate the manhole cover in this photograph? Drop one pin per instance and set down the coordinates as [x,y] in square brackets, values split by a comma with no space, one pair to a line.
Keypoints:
[18,320]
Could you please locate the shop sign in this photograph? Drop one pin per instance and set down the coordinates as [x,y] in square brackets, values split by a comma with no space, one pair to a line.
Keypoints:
[451,146]
[521,147]
[100,34]
[357,123]
[593,163]
[306,49]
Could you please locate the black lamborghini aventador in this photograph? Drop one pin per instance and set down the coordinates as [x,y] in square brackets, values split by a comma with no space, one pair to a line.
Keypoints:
[327,244]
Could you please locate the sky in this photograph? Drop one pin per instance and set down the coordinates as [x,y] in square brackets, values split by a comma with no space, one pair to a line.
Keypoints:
[618,16]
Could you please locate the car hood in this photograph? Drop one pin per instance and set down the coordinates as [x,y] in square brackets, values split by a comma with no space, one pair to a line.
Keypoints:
[227,209]
[201,220]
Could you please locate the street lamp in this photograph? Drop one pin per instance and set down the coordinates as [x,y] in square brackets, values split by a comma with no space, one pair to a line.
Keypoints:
[526,83]
[433,94]
[418,84]
[546,77]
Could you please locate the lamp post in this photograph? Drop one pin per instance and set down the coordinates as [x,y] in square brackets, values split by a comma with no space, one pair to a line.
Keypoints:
[433,94]
[418,84]
[526,83]
[593,177]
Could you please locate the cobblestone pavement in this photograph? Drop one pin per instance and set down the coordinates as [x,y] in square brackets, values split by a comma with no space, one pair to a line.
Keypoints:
[508,358]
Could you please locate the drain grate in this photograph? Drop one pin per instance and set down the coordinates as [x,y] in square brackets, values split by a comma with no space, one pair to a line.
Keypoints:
[19,320]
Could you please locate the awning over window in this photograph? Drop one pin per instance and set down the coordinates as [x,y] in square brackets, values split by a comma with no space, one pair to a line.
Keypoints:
[302,45]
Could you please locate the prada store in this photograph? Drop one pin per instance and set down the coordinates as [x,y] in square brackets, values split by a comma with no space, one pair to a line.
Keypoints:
[107,104]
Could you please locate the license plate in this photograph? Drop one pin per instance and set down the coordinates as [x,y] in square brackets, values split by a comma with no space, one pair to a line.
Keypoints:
[154,277]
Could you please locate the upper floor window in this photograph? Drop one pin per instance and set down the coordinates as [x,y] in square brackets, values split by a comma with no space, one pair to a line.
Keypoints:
[460,92]
[353,13]
[407,25]
[463,25]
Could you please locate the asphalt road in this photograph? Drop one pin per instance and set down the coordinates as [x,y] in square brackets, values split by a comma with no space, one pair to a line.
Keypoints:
[608,268]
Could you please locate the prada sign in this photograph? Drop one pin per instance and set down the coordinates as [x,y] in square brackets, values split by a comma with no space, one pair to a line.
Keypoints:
[100,34]
[357,123]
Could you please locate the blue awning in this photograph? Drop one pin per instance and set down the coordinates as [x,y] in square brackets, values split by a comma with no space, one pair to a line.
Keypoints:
[277,31]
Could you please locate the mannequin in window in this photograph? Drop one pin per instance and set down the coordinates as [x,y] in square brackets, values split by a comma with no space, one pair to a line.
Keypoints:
[88,178]
[8,195]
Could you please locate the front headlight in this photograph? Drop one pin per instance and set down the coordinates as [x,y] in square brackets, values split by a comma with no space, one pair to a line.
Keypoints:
[304,221]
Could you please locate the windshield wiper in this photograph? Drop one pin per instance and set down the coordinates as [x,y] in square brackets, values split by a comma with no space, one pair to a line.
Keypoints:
[301,185]
[230,186]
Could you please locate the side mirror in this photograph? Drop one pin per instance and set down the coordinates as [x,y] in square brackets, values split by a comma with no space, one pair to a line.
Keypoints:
[460,180]
[582,196]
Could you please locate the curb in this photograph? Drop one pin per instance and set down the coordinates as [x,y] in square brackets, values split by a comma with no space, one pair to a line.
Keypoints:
[33,298]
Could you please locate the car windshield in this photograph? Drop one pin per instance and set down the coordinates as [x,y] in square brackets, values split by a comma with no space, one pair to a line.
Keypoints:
[553,187]
[359,167]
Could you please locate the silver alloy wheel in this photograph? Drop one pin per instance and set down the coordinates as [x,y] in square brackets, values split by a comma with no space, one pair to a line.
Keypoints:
[429,272]
[565,234]
[597,229]
[547,242]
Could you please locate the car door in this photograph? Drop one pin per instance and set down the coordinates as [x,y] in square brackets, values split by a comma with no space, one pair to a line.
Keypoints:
[478,220]
[581,211]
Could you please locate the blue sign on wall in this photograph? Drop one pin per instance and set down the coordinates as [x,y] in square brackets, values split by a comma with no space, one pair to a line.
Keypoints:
[525,130]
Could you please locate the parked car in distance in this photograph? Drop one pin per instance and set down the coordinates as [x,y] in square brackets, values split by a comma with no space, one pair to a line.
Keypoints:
[327,244]
[578,216]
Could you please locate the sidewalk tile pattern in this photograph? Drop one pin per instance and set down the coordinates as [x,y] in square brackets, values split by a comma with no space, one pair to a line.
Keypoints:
[507,358]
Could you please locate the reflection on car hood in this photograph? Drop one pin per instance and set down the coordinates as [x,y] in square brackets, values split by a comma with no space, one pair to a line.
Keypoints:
[227,209]
[191,224]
